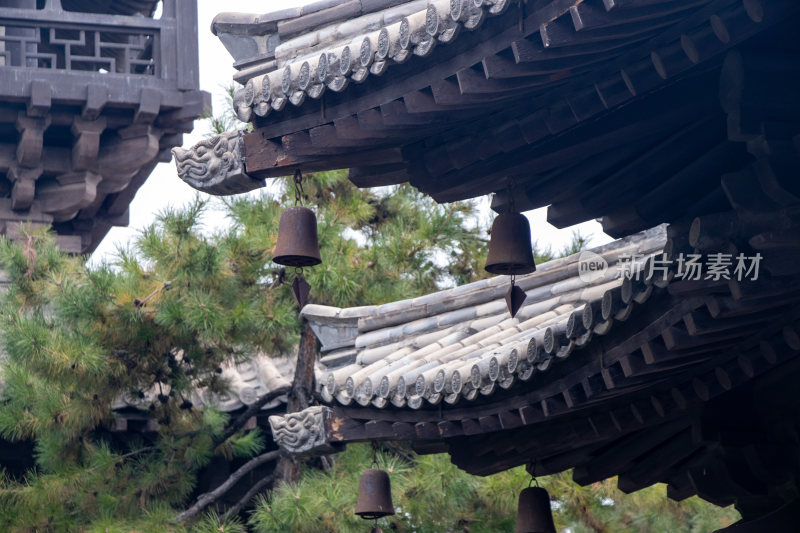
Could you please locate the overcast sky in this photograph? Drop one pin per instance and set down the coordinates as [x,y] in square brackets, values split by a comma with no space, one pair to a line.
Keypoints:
[164,188]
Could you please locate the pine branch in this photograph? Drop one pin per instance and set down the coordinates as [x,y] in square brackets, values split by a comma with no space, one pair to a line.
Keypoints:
[204,500]
[141,302]
[251,411]
[432,239]
[303,383]
[137,452]
[249,495]
[439,229]
[399,452]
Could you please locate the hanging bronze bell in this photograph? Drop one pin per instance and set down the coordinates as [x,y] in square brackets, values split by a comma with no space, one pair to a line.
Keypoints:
[510,249]
[374,495]
[533,512]
[297,244]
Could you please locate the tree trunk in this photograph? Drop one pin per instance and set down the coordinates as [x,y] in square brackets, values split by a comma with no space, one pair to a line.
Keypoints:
[300,395]
[592,521]
[204,500]
[302,389]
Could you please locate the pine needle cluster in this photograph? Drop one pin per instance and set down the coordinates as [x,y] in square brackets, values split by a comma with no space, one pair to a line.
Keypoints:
[152,332]
[431,495]
[145,337]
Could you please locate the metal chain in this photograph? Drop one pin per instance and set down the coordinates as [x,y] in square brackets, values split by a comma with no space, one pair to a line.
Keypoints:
[298,187]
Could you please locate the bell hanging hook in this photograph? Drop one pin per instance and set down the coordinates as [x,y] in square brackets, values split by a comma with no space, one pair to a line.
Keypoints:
[299,193]
[374,454]
[511,204]
[532,472]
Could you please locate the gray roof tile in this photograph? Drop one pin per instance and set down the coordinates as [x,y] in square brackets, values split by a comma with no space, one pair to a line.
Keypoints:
[461,342]
[338,29]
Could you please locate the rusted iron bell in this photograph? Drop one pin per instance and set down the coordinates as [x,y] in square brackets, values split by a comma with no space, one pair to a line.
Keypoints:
[297,244]
[374,495]
[510,250]
[511,253]
[533,512]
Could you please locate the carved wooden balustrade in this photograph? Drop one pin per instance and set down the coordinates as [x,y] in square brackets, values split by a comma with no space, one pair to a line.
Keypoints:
[89,104]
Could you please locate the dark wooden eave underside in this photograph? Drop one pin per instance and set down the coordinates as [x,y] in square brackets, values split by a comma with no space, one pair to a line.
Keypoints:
[691,384]
[699,379]
[695,387]
[593,114]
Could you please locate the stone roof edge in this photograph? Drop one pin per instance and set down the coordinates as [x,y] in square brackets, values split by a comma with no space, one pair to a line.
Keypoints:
[254,24]
[237,23]
[335,316]
[331,58]
[248,379]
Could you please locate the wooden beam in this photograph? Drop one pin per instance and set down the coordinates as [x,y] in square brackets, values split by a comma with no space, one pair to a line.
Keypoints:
[699,322]
[781,520]
[379,175]
[471,82]
[650,469]
[447,93]
[531,49]
[500,66]
[623,452]
[713,484]
[599,137]
[562,31]
[588,15]
[659,163]
[267,159]
[696,179]
[677,338]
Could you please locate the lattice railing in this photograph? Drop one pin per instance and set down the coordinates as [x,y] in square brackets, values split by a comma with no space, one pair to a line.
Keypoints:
[67,46]
[98,49]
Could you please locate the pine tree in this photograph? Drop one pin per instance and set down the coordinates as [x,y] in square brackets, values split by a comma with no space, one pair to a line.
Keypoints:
[433,496]
[156,324]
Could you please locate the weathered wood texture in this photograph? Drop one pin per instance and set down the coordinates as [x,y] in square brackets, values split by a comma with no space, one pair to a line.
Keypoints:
[581,104]
[86,141]
[626,110]
[656,379]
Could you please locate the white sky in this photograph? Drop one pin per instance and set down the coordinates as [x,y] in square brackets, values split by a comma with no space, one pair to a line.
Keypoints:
[164,188]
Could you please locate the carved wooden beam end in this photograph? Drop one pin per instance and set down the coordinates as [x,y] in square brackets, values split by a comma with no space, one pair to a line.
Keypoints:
[216,165]
[305,432]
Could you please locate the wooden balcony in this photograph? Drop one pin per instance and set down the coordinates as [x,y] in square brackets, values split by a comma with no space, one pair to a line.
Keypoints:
[92,96]
[124,53]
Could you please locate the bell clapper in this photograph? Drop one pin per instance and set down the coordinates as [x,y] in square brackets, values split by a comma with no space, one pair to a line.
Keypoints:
[515,297]
[300,288]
